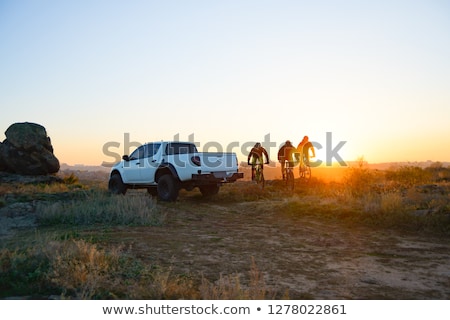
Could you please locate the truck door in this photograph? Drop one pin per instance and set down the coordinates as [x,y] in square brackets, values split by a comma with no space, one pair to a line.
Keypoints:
[151,162]
[132,167]
[179,155]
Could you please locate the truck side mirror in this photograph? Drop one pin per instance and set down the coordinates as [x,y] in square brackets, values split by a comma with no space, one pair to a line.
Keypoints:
[126,157]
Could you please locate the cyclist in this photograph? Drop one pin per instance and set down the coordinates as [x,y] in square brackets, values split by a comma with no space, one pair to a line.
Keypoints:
[303,149]
[285,154]
[256,155]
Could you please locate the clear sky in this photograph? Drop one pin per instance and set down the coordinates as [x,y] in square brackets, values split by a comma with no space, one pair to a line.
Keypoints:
[375,74]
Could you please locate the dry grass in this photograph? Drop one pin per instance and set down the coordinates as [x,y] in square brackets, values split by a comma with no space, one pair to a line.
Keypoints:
[100,207]
[72,266]
[82,270]
[230,287]
[77,269]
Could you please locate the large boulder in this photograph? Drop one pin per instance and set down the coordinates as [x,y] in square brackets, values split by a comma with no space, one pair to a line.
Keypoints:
[2,163]
[27,150]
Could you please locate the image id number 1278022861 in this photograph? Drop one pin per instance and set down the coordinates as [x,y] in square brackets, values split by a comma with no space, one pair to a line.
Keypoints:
[306,309]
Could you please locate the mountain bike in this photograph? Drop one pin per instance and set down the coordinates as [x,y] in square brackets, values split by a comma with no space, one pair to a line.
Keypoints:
[304,170]
[289,174]
[259,173]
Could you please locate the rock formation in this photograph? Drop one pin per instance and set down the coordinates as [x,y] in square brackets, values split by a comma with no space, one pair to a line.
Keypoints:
[27,150]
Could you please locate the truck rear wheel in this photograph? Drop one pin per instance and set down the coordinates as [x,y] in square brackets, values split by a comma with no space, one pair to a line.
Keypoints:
[209,190]
[167,188]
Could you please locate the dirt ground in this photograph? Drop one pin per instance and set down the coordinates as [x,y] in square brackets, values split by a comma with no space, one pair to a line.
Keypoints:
[306,257]
[301,256]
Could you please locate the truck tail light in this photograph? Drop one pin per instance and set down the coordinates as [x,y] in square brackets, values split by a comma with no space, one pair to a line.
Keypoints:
[196,160]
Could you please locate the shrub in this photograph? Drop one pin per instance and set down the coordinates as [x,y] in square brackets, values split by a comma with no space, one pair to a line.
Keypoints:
[23,272]
[438,172]
[71,179]
[359,180]
[409,176]
[392,203]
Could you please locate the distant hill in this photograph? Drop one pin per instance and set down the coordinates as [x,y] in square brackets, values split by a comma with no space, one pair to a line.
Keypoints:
[421,164]
[82,167]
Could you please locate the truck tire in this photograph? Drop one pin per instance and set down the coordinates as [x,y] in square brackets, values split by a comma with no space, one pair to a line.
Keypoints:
[116,185]
[167,188]
[209,190]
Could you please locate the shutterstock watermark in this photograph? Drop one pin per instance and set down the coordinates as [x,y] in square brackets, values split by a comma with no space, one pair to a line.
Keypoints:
[114,150]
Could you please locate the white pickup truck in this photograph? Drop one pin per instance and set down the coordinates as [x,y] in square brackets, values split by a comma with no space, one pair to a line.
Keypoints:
[163,168]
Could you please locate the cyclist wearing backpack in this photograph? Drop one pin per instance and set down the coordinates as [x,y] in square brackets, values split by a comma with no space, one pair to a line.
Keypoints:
[285,154]
[256,156]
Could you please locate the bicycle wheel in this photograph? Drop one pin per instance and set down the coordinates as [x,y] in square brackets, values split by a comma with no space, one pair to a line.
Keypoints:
[304,173]
[259,176]
[290,182]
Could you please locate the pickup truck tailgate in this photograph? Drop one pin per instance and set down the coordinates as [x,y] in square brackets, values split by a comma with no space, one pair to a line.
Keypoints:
[218,162]
[217,167]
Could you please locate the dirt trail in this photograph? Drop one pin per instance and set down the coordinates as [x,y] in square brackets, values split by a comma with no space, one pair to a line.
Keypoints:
[309,257]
